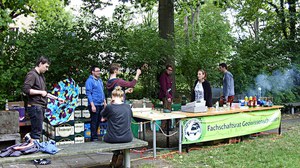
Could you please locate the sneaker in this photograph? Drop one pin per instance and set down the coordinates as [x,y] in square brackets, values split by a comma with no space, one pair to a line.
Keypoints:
[119,161]
[27,138]
[41,161]
[113,160]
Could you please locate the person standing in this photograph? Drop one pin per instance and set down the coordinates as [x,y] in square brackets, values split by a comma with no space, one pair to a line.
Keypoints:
[228,85]
[114,81]
[202,89]
[165,91]
[96,99]
[35,89]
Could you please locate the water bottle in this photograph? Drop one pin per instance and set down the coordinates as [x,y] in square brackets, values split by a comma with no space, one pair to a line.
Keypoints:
[6,105]
[144,102]
[217,106]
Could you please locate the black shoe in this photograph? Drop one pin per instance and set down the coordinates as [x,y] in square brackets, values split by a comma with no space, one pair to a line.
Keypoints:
[41,161]
[27,138]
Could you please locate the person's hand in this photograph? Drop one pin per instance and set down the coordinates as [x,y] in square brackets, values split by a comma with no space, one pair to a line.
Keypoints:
[129,90]
[138,72]
[103,119]
[93,108]
[112,101]
[104,105]
[44,93]
[169,100]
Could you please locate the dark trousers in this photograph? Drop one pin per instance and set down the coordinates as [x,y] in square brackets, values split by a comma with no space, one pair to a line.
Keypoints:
[95,121]
[36,114]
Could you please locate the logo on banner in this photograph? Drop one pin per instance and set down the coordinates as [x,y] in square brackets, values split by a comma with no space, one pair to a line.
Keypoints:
[192,129]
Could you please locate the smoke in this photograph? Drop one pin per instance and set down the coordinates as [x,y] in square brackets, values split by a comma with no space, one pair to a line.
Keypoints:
[279,81]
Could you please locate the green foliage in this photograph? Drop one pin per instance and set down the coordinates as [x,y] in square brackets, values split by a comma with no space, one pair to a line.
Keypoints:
[206,44]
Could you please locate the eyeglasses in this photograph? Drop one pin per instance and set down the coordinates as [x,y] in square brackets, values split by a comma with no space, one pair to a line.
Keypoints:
[98,71]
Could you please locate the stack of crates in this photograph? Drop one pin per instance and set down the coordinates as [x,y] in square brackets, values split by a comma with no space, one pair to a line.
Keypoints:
[82,110]
[61,134]
[82,116]
[72,131]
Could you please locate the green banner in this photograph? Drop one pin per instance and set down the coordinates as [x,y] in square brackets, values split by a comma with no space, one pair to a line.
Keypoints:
[209,128]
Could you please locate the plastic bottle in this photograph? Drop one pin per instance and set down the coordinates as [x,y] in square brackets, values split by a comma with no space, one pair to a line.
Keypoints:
[183,100]
[6,105]
[217,106]
[254,102]
[250,102]
[246,100]
[144,102]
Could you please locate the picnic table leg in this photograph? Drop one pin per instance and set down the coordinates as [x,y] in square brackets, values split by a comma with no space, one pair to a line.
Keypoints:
[168,132]
[293,110]
[126,158]
[154,138]
[144,126]
[180,137]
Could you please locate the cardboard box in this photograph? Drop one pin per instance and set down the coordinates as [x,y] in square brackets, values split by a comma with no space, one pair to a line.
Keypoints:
[11,105]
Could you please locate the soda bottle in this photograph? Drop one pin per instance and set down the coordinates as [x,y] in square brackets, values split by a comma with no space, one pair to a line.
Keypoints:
[6,105]
[250,102]
[254,102]
[246,101]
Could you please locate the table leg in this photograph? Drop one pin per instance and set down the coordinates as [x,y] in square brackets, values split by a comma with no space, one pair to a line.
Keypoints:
[293,110]
[127,158]
[144,126]
[154,138]
[180,137]
[168,132]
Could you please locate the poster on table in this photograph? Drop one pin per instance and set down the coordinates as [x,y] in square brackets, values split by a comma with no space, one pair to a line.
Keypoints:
[209,128]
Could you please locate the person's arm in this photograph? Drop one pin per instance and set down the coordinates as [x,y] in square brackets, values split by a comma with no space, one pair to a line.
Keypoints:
[209,95]
[105,112]
[89,90]
[226,86]
[51,96]
[127,84]
[193,91]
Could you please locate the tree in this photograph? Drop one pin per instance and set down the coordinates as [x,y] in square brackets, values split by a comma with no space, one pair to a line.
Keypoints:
[203,40]
[45,10]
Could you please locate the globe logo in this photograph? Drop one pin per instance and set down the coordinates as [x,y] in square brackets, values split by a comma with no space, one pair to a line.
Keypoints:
[192,129]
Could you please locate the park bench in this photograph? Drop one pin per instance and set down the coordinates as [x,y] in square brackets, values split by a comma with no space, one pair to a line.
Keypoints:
[83,148]
[292,106]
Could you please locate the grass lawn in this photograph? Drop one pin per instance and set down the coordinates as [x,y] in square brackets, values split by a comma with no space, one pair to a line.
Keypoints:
[264,151]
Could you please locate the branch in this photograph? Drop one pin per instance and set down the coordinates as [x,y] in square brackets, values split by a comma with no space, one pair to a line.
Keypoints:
[280,16]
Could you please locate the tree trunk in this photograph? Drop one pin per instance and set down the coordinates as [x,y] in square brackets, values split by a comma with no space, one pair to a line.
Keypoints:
[292,18]
[166,31]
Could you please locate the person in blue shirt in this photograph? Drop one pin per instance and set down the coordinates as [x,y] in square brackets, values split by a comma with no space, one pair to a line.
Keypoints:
[228,85]
[96,99]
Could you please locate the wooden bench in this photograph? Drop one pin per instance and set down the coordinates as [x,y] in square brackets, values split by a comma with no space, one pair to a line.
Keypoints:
[292,106]
[83,148]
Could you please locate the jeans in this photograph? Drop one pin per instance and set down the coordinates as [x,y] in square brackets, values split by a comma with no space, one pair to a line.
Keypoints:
[36,114]
[95,121]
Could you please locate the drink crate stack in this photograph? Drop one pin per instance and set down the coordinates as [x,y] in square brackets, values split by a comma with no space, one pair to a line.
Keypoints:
[70,132]
[77,129]
[61,134]
[82,117]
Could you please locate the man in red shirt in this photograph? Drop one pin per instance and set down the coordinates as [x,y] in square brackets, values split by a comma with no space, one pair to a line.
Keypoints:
[165,91]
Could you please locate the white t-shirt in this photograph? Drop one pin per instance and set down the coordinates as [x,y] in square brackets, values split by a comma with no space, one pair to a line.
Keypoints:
[199,92]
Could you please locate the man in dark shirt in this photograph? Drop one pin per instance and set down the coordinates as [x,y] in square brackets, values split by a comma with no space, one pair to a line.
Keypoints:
[165,91]
[35,89]
[114,81]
